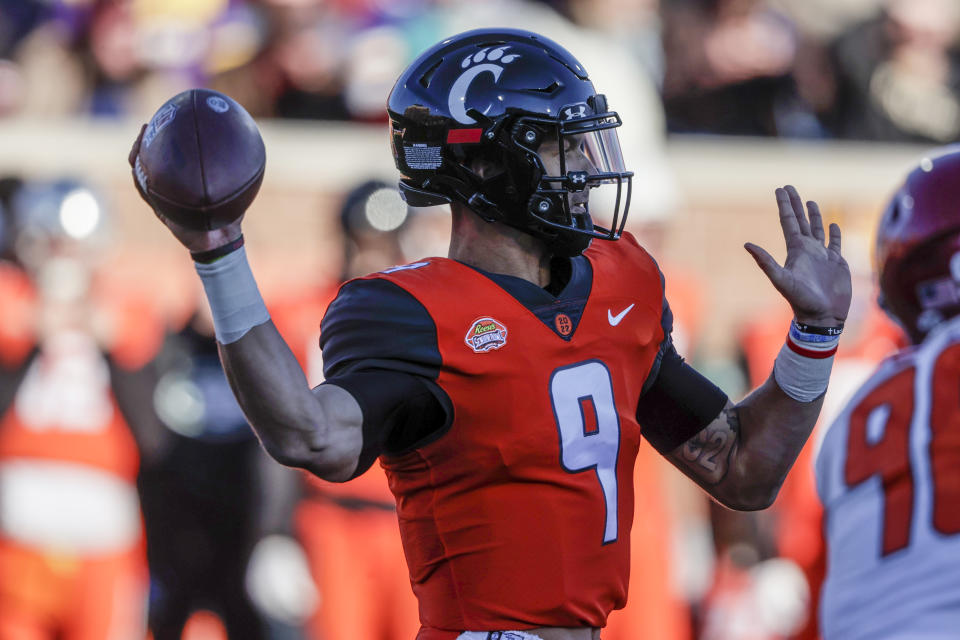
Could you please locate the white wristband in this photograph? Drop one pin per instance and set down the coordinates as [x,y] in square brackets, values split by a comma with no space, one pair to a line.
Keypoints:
[802,368]
[235,301]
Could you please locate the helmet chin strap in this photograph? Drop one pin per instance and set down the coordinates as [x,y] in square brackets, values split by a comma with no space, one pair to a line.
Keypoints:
[557,241]
[421,197]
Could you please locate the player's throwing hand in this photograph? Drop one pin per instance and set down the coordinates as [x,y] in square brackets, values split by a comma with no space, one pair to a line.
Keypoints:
[194,240]
[815,278]
[199,163]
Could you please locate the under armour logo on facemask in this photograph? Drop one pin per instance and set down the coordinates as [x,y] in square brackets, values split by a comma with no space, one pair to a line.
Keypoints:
[576,111]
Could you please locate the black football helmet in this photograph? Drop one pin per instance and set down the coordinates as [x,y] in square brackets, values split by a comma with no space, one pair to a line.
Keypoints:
[508,123]
[918,246]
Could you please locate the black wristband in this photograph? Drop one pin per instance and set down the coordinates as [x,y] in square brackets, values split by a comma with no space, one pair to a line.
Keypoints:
[820,331]
[206,257]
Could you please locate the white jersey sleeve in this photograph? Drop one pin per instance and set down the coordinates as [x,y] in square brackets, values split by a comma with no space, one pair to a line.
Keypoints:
[888,475]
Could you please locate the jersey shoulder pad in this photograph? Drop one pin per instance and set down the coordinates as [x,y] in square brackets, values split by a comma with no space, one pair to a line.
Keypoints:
[625,257]
[375,323]
[629,245]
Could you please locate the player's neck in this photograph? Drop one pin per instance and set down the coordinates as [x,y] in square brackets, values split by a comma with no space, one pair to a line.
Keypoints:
[498,248]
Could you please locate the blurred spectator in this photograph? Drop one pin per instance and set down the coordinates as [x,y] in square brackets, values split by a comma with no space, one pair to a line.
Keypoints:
[17,19]
[824,20]
[308,49]
[730,70]
[115,65]
[218,511]
[51,76]
[75,366]
[139,52]
[633,24]
[376,58]
[114,57]
[11,88]
[898,75]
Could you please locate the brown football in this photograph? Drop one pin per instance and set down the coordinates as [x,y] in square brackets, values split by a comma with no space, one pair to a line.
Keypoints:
[201,160]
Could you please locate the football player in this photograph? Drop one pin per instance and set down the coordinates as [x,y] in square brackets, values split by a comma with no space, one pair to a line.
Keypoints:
[504,388]
[887,471]
[76,363]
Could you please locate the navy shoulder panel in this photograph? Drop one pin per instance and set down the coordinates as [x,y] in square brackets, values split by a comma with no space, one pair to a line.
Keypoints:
[376,324]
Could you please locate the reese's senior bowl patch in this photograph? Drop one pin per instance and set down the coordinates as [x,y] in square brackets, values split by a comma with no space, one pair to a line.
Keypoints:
[486,334]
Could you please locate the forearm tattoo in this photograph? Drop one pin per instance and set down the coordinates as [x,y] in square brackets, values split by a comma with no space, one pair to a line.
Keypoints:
[710,450]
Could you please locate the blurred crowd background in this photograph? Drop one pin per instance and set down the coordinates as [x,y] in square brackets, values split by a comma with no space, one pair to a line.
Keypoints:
[131,489]
[853,69]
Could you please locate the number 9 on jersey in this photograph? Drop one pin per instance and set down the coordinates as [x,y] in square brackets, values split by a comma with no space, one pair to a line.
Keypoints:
[589,428]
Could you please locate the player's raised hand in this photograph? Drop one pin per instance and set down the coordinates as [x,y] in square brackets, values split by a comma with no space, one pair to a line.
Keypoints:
[815,278]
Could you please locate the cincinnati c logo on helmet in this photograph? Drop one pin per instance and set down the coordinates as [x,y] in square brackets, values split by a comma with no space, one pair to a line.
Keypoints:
[457,100]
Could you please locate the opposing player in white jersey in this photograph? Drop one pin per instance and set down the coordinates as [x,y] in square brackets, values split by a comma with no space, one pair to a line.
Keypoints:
[888,471]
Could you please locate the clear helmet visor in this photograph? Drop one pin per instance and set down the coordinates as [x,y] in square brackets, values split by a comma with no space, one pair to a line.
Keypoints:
[598,143]
[601,147]
[592,146]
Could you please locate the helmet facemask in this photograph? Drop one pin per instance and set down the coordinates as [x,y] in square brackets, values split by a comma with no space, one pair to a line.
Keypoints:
[574,154]
[921,288]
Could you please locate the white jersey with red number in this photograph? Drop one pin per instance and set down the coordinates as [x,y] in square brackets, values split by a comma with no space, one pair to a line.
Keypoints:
[888,474]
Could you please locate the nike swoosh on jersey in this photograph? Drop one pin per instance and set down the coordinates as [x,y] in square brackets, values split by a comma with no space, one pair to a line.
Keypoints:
[615,319]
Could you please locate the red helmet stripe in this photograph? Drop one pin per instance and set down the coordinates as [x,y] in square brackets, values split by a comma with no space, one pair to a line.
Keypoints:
[464,136]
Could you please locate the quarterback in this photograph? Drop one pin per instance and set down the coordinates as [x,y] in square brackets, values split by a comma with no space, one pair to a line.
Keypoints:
[505,387]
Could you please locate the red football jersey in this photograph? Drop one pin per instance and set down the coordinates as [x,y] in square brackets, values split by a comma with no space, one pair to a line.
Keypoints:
[519,515]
